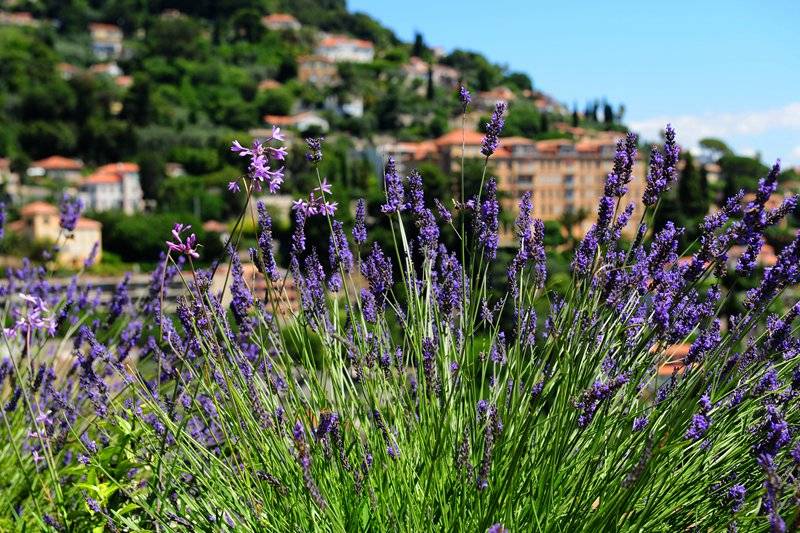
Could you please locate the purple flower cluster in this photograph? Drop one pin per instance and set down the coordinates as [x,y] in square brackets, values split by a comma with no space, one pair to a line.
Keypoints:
[464,97]
[487,221]
[266,261]
[360,227]
[591,400]
[395,196]
[317,204]
[188,248]
[700,421]
[493,130]
[314,154]
[259,170]
[70,208]
[663,168]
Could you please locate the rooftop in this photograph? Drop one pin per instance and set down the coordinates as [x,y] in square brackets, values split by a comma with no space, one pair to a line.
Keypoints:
[125,167]
[57,162]
[38,208]
[333,41]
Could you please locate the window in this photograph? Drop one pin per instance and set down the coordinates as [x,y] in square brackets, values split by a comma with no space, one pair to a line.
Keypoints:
[525,178]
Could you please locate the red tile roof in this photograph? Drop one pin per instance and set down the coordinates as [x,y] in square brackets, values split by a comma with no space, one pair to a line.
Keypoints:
[121,168]
[332,41]
[102,26]
[57,162]
[38,208]
[279,17]
[88,223]
[214,226]
[454,137]
[266,85]
[102,177]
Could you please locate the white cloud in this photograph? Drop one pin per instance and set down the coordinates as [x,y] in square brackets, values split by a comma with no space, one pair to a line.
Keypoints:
[796,152]
[692,128]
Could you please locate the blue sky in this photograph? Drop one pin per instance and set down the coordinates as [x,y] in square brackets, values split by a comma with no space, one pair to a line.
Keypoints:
[729,69]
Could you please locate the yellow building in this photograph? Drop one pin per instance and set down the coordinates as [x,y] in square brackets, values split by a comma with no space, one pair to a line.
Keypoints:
[40,221]
[563,175]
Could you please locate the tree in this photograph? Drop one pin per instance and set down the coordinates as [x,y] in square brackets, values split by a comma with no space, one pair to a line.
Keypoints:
[740,172]
[246,24]
[608,114]
[520,80]
[714,148]
[523,120]
[693,191]
[276,102]
[571,218]
[429,92]
[419,49]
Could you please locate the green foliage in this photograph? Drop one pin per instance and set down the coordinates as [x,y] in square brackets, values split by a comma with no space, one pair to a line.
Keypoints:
[740,172]
[136,238]
[276,102]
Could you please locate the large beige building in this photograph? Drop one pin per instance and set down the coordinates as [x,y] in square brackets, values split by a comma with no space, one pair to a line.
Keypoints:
[40,221]
[563,175]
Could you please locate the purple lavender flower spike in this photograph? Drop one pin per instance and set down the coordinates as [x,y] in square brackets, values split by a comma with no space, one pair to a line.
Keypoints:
[493,130]
[70,212]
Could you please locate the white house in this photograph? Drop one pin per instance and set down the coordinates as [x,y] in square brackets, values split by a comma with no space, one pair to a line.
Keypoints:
[56,167]
[113,186]
[341,48]
[350,106]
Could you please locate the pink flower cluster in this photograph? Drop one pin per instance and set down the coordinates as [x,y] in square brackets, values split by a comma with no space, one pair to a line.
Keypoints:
[316,203]
[259,171]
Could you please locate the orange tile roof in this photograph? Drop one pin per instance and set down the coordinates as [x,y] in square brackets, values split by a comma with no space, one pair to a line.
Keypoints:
[551,145]
[454,137]
[38,208]
[125,167]
[337,40]
[279,17]
[280,120]
[57,162]
[214,226]
[124,81]
[517,141]
[87,223]
[266,85]
[102,177]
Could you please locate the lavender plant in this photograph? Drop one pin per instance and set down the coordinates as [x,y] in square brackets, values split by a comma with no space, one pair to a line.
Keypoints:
[405,393]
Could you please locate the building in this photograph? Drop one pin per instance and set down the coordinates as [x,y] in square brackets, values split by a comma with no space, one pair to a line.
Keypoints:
[110,69]
[269,85]
[281,22]
[301,121]
[344,49]
[317,70]
[68,70]
[345,105]
[418,71]
[486,100]
[106,41]
[562,175]
[113,186]
[56,167]
[40,221]
[18,18]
